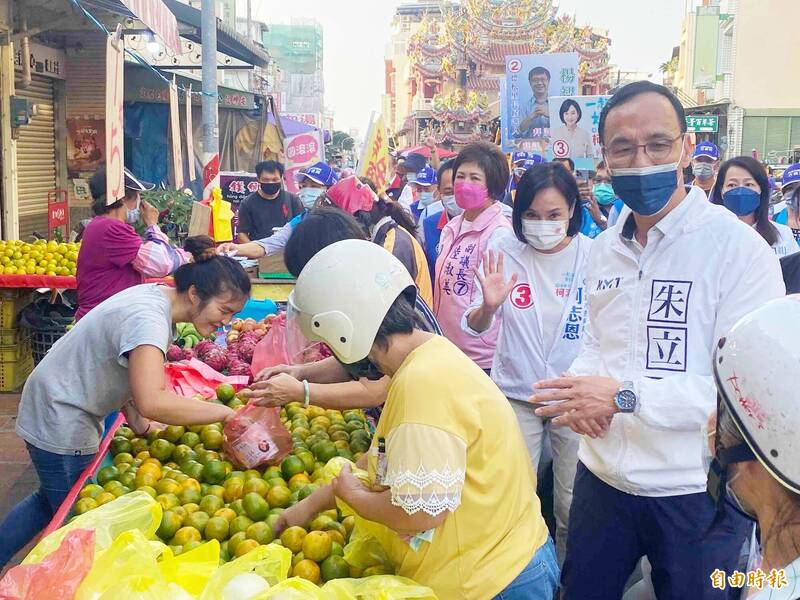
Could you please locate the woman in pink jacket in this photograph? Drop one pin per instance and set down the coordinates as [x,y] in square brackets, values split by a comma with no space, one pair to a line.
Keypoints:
[480,177]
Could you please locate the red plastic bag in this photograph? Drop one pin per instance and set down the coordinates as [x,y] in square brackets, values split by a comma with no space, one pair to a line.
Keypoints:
[255,437]
[284,347]
[271,349]
[58,575]
[190,377]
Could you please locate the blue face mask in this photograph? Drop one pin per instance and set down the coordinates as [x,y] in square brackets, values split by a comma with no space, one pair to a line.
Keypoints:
[133,215]
[603,193]
[741,201]
[425,199]
[309,196]
[646,190]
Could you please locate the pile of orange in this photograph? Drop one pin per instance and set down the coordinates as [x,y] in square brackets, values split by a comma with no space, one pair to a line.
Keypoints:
[39,258]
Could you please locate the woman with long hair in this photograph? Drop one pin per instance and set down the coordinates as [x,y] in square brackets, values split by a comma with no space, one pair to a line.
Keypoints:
[742,186]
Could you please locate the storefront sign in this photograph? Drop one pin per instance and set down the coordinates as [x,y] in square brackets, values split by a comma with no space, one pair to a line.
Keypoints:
[142,86]
[175,135]
[235,187]
[115,148]
[702,124]
[313,119]
[159,18]
[43,60]
[301,150]
[57,210]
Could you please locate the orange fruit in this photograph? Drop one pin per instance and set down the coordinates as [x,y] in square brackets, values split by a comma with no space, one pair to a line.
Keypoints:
[244,547]
[226,513]
[317,546]
[306,569]
[292,538]
[279,497]
[335,536]
[256,485]
[298,481]
[185,535]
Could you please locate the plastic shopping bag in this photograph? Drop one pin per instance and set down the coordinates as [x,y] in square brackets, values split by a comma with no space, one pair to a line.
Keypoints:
[145,588]
[271,562]
[190,377]
[136,510]
[193,569]
[293,588]
[255,437]
[58,574]
[378,587]
[271,349]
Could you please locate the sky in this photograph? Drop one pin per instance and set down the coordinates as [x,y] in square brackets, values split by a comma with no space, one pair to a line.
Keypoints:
[643,33]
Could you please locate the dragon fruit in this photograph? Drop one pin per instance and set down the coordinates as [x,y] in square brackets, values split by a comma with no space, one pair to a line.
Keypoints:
[204,347]
[238,367]
[188,353]
[246,347]
[215,357]
[174,353]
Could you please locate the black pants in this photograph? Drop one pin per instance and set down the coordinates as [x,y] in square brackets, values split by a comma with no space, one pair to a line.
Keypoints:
[610,530]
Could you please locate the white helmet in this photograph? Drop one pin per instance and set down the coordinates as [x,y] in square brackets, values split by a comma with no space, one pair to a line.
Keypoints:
[344,293]
[757,366]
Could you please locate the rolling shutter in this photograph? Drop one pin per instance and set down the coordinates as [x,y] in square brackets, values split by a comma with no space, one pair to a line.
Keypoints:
[36,158]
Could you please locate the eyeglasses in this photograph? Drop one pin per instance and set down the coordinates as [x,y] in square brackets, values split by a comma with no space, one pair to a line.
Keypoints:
[623,153]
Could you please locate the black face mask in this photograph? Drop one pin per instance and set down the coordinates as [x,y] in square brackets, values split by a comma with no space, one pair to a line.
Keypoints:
[364,368]
[270,189]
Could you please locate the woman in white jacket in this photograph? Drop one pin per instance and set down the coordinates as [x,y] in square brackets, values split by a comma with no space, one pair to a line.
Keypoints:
[533,279]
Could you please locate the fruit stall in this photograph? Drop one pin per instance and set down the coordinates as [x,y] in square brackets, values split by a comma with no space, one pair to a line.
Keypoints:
[191,512]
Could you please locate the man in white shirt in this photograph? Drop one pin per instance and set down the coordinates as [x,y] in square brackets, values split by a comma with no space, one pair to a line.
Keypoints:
[664,284]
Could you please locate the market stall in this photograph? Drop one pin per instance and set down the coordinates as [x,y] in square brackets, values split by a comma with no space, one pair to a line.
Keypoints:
[189,512]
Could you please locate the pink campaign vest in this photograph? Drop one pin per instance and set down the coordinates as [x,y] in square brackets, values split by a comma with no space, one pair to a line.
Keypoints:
[460,253]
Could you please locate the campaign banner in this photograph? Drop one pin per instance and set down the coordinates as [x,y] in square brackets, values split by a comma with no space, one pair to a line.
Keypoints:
[114,142]
[374,160]
[301,151]
[530,81]
[175,135]
[574,129]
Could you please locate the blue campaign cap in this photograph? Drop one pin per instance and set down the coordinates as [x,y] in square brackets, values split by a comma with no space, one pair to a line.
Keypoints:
[708,149]
[519,157]
[531,162]
[535,159]
[791,175]
[426,176]
[320,173]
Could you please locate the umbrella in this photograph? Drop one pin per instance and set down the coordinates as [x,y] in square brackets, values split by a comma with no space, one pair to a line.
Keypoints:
[426,152]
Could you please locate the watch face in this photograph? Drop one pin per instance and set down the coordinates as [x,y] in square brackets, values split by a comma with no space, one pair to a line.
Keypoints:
[626,400]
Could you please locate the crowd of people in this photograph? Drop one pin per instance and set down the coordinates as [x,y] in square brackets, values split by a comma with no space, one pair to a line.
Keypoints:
[501,318]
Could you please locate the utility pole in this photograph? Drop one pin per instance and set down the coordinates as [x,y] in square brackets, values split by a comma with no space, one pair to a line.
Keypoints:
[210,104]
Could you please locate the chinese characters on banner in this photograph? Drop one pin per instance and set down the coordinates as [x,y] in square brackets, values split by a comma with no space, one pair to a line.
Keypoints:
[574,129]
[115,149]
[530,81]
[175,134]
[235,187]
[374,160]
[301,151]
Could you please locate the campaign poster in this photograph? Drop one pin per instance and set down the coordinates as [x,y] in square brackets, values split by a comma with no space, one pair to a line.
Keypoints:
[574,129]
[235,187]
[530,81]
[86,144]
[301,151]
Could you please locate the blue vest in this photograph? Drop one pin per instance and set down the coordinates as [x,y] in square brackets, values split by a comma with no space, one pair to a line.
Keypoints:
[430,226]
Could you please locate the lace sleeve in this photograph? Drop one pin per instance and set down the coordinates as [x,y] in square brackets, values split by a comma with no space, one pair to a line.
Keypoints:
[425,468]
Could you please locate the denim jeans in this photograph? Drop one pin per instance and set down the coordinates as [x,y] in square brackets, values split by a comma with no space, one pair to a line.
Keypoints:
[57,474]
[539,580]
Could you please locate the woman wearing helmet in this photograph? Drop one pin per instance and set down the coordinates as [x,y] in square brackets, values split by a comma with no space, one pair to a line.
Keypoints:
[444,429]
[754,443]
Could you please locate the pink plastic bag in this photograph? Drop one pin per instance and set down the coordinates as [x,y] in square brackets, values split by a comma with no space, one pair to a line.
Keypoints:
[271,349]
[190,377]
[58,575]
[256,437]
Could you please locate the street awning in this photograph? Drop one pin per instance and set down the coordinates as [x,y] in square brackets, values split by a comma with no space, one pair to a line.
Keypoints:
[153,13]
[228,40]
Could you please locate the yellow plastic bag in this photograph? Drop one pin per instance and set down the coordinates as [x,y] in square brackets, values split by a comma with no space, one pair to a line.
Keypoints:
[365,551]
[293,589]
[222,216]
[146,588]
[272,562]
[379,587]
[131,554]
[136,510]
[193,569]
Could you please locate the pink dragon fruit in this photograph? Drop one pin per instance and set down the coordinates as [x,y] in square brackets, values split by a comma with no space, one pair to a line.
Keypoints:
[238,367]
[202,348]
[215,357]
[174,353]
[245,348]
[188,353]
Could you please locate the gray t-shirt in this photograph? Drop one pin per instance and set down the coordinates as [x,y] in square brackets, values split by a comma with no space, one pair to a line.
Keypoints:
[84,377]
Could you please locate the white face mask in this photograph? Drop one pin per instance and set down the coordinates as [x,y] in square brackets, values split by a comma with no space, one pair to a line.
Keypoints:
[544,235]
[450,205]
